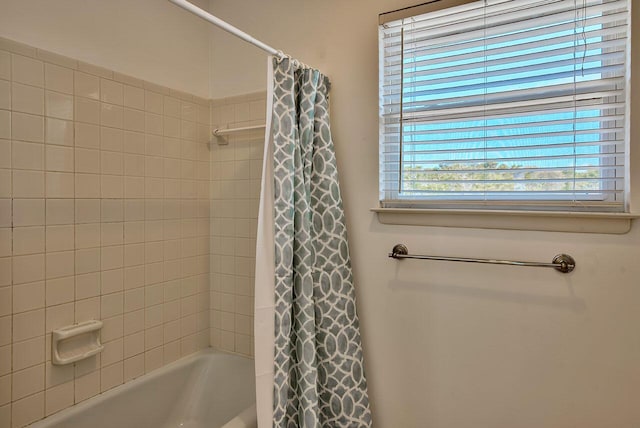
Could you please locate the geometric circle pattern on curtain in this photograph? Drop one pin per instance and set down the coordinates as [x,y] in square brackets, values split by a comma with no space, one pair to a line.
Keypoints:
[318,361]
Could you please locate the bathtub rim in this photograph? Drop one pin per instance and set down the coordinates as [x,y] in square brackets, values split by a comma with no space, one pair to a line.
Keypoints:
[97,399]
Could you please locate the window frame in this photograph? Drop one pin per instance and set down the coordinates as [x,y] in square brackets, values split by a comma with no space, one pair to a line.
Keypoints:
[513,214]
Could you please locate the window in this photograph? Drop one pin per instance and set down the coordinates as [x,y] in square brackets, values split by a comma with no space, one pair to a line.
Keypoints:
[505,104]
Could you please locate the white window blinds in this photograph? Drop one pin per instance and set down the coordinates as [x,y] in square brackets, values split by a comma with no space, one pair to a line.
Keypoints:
[506,104]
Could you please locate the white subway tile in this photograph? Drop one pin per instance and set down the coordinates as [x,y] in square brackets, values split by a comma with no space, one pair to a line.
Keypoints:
[113,328]
[153,359]
[171,127]
[5,241]
[112,353]
[59,397]
[87,210]
[153,295]
[87,309]
[134,165]
[87,186]
[27,410]
[59,158]
[112,210]
[5,65]
[28,268]
[87,110]
[112,281]
[60,290]
[90,364]
[87,286]
[153,102]
[5,154]
[5,213]
[112,186]
[87,260]
[111,163]
[111,92]
[111,139]
[112,305]
[134,322]
[133,187]
[5,360]
[27,70]
[27,325]
[60,184]
[58,78]
[171,147]
[28,212]
[112,257]
[28,296]
[87,386]
[154,273]
[134,254]
[86,85]
[5,389]
[59,316]
[134,120]
[134,97]
[153,338]
[87,135]
[111,115]
[5,124]
[189,111]
[57,375]
[27,99]
[133,367]
[60,264]
[27,155]
[5,183]
[171,107]
[59,105]
[60,238]
[134,299]
[134,142]
[153,145]
[87,160]
[28,240]
[154,124]
[60,212]
[243,344]
[5,318]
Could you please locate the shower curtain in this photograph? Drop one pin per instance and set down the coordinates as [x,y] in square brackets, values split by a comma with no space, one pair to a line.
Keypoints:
[309,368]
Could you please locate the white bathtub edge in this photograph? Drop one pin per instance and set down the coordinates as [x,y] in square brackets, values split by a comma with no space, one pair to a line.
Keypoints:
[247,418]
[97,399]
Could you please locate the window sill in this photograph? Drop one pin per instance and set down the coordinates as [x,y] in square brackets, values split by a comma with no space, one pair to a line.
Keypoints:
[558,221]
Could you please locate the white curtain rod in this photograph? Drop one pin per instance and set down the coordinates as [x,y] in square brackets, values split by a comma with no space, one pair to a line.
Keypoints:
[226,26]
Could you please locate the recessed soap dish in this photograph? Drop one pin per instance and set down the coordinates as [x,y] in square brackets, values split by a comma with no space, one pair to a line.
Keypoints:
[76,342]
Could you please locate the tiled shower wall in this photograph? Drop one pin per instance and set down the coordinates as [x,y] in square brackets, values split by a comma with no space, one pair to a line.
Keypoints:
[104,214]
[236,170]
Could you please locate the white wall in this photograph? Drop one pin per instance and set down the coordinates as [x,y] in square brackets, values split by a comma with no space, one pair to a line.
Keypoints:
[151,40]
[454,345]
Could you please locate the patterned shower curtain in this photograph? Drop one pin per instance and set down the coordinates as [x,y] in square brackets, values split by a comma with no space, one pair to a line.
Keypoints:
[318,372]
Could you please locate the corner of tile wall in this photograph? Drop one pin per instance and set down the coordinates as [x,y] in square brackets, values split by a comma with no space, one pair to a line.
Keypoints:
[104,214]
[236,170]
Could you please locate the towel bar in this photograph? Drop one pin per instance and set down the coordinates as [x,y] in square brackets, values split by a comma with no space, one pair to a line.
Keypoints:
[562,262]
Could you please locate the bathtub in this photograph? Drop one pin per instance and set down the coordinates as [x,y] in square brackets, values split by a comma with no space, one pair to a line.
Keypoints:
[208,389]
